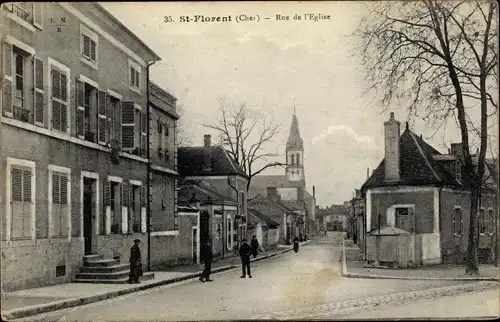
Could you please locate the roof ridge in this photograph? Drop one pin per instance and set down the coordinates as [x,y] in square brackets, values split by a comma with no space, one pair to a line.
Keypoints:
[413,135]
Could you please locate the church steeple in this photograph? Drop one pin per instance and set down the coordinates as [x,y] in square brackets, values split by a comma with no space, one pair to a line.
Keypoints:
[294,140]
[295,152]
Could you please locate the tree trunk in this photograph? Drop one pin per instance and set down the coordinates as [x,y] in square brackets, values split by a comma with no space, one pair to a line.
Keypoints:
[471,262]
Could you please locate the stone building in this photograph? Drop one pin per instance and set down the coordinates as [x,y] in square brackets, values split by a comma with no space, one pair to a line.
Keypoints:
[219,187]
[72,140]
[424,195]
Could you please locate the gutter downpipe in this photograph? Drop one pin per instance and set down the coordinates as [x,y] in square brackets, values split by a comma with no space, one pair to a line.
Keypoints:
[148,171]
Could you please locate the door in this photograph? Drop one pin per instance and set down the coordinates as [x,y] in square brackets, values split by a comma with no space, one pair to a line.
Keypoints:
[195,245]
[204,226]
[87,215]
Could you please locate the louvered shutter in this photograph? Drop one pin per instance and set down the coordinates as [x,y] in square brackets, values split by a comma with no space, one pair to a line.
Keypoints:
[102,117]
[26,203]
[38,95]
[109,116]
[143,196]
[37,14]
[56,201]
[16,202]
[80,109]
[131,195]
[128,125]
[118,124]
[56,93]
[107,193]
[144,126]
[7,79]
[64,106]
[63,207]
[125,195]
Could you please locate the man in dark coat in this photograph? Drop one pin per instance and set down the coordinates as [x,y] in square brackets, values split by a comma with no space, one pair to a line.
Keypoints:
[135,262]
[245,252]
[255,246]
[206,256]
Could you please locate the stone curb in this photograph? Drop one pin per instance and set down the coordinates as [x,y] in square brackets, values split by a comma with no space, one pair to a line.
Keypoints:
[423,278]
[327,311]
[72,302]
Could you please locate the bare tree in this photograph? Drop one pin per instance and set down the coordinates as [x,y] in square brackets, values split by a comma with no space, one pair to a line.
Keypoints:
[439,58]
[181,132]
[246,137]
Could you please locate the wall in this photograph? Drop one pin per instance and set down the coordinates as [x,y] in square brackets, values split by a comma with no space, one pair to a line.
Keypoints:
[424,208]
[287,193]
[28,265]
[174,249]
[162,202]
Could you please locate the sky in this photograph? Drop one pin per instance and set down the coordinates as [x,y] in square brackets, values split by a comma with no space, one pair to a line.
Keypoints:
[276,66]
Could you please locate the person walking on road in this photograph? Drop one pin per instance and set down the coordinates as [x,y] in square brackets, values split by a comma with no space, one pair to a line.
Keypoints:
[245,252]
[135,262]
[255,246]
[206,256]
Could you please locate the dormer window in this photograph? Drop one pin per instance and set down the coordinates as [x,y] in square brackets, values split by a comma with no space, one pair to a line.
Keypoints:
[458,171]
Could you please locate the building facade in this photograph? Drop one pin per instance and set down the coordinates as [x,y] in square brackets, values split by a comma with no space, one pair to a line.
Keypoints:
[224,216]
[72,139]
[425,194]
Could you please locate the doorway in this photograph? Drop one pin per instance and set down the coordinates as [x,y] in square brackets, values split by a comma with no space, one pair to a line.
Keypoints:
[195,245]
[204,226]
[88,213]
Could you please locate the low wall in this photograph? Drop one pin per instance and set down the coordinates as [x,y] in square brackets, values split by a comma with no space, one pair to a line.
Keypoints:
[118,246]
[32,263]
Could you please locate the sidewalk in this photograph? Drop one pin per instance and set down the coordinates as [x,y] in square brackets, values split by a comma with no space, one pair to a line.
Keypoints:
[30,302]
[357,269]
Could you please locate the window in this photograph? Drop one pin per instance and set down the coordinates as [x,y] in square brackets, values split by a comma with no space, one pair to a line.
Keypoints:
[492,221]
[135,208]
[116,124]
[218,231]
[90,101]
[297,159]
[404,218]
[18,71]
[89,46]
[293,159]
[59,203]
[457,221]
[59,96]
[482,222]
[134,128]
[113,193]
[134,76]
[27,12]
[21,200]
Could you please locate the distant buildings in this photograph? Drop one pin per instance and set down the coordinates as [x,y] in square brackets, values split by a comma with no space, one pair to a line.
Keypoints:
[333,218]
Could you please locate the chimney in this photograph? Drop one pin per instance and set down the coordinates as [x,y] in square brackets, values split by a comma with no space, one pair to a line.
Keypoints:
[456,150]
[314,192]
[391,138]
[208,152]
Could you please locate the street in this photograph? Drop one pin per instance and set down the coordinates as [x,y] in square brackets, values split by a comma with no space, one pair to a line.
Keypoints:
[282,286]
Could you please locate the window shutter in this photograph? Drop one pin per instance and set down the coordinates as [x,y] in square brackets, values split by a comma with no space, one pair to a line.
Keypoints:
[27,186]
[102,117]
[80,109]
[16,177]
[55,189]
[144,126]
[107,193]
[109,116]
[118,124]
[56,83]
[131,195]
[128,125]
[7,79]
[37,14]
[143,196]
[125,195]
[166,129]
[39,89]
[86,46]
[64,189]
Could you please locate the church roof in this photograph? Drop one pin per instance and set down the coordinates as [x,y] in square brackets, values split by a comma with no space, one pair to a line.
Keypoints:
[294,140]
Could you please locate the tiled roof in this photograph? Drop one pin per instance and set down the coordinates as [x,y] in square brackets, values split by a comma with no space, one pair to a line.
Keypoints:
[192,162]
[268,200]
[416,165]
[267,221]
[193,193]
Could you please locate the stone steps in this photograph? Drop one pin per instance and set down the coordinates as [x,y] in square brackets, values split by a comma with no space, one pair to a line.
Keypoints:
[97,269]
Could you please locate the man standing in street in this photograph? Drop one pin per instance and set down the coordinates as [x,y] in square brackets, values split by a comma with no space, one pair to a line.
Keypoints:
[245,252]
[135,262]
[206,256]
[255,246]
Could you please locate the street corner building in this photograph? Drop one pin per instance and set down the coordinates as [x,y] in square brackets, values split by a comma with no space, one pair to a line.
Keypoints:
[216,185]
[418,201]
[74,143]
[290,189]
